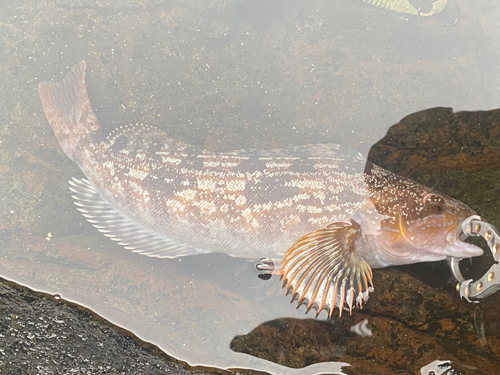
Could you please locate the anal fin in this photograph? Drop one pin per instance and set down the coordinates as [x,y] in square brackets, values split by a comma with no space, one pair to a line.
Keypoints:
[323,268]
[122,229]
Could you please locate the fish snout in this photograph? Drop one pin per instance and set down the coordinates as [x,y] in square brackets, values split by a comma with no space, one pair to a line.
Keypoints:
[457,247]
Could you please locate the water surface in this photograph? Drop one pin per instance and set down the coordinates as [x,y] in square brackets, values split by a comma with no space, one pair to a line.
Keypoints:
[229,75]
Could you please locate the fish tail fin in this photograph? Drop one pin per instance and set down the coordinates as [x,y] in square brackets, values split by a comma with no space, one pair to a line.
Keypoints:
[68,110]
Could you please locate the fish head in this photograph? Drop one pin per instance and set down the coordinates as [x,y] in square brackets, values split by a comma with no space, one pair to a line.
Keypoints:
[434,223]
[420,224]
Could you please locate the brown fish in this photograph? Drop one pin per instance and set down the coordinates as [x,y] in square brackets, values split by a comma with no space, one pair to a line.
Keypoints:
[328,214]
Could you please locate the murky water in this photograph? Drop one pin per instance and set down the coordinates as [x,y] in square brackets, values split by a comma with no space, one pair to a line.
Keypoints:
[230,75]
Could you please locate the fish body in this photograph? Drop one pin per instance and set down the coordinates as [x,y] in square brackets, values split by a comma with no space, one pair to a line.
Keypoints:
[327,213]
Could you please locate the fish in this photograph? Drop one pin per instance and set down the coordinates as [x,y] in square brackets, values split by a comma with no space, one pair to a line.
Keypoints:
[406,7]
[322,212]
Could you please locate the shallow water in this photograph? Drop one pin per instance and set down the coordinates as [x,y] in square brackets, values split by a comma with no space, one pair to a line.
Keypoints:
[223,75]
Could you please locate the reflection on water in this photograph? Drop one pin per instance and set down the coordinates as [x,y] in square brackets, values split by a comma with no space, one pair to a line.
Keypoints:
[362,329]
[479,326]
[245,74]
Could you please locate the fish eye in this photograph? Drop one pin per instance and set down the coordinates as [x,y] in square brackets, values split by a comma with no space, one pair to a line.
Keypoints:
[434,203]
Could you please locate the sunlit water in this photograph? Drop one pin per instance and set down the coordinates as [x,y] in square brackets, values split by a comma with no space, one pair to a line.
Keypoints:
[222,75]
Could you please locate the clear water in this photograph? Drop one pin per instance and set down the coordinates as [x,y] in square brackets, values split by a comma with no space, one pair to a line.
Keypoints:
[223,75]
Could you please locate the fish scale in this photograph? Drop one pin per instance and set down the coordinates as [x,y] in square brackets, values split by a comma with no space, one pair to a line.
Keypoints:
[322,210]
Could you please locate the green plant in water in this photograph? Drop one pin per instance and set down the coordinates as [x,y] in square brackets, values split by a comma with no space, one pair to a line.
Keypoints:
[404,6]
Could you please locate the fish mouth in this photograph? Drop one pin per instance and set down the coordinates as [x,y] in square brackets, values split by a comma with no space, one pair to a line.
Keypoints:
[456,245]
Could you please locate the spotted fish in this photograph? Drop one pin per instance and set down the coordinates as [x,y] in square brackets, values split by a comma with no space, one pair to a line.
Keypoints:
[406,7]
[327,214]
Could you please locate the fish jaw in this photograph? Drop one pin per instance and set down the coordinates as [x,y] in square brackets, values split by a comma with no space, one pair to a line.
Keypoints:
[403,251]
[458,248]
[387,242]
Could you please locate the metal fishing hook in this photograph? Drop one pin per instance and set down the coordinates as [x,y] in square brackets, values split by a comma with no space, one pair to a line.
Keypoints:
[489,283]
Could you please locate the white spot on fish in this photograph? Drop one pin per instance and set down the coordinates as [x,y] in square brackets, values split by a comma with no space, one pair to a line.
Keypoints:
[168,159]
[211,164]
[235,185]
[134,173]
[186,194]
[278,165]
[241,200]
[206,184]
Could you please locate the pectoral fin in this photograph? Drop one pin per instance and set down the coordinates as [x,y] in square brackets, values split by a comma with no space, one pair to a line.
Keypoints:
[324,269]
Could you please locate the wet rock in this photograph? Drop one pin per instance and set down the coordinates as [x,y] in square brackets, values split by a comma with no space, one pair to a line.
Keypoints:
[412,322]
[438,139]
[40,335]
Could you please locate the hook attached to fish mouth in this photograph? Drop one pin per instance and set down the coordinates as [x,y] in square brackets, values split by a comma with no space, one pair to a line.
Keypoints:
[489,283]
